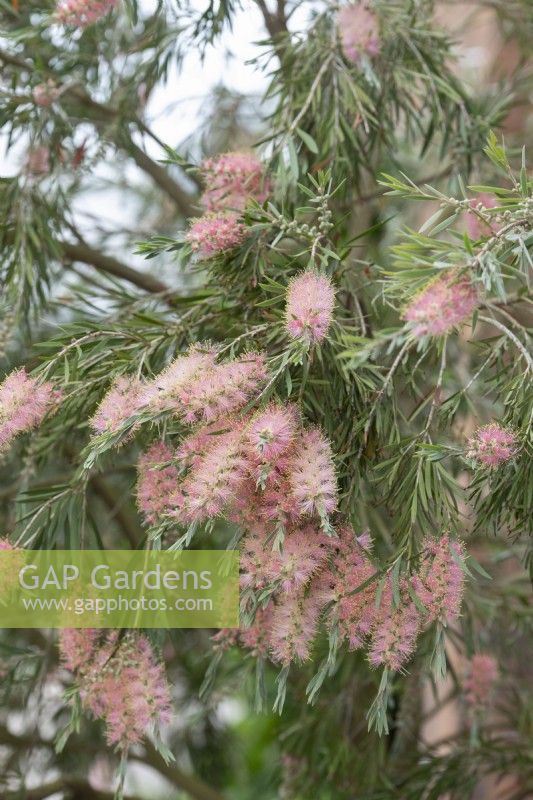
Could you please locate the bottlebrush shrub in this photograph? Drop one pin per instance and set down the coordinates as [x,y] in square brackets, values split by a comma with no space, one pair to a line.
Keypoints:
[265,410]
[120,682]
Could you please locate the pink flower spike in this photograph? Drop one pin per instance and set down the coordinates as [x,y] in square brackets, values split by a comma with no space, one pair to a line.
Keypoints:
[214,483]
[310,303]
[358,28]
[82,13]
[440,581]
[121,682]
[492,445]
[395,632]
[24,402]
[311,472]
[156,484]
[76,646]
[294,625]
[441,305]
[123,399]
[480,680]
[272,431]
[224,389]
[168,389]
[231,179]
[214,234]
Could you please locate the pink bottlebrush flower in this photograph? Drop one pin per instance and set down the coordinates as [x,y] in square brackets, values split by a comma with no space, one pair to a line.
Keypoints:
[38,160]
[77,647]
[272,431]
[492,445]
[294,625]
[481,677]
[395,632]
[24,402]
[168,389]
[214,234]
[44,94]
[121,682]
[258,561]
[214,483]
[440,581]
[358,28]
[312,475]
[224,389]
[441,305]
[475,226]
[123,399]
[82,13]
[355,611]
[257,637]
[156,484]
[310,303]
[230,179]
[303,554]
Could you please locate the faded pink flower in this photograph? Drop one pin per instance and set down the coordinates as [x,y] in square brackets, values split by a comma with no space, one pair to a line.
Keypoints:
[310,303]
[257,637]
[123,399]
[38,160]
[214,234]
[294,625]
[44,94]
[355,610]
[358,28]
[230,179]
[120,680]
[82,13]
[395,633]
[156,484]
[481,677]
[224,389]
[492,445]
[168,389]
[77,646]
[215,481]
[258,561]
[440,581]
[303,554]
[441,305]
[24,402]
[476,227]
[272,431]
[312,479]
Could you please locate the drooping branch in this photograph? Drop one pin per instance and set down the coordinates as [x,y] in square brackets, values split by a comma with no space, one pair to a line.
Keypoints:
[81,251]
[101,115]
